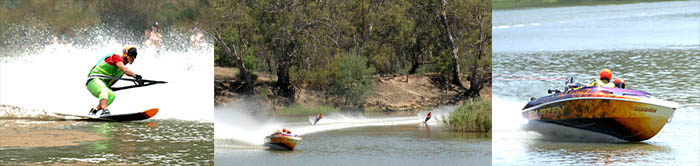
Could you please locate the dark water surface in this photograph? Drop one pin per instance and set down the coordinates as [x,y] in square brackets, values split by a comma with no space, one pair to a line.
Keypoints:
[151,142]
[410,144]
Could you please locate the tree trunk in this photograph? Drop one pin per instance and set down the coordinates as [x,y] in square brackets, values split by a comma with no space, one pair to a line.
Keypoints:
[284,53]
[476,83]
[477,80]
[245,74]
[456,71]
[285,86]
[415,63]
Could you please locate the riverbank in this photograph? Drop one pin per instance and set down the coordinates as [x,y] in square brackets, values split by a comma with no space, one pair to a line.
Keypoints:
[391,93]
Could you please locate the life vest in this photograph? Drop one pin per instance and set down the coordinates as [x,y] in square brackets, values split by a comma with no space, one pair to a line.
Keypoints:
[601,83]
[103,68]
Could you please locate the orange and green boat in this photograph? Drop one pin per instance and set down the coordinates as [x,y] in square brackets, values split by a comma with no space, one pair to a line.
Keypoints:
[282,141]
[627,114]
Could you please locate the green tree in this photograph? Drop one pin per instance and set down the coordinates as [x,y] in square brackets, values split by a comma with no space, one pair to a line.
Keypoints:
[352,83]
[301,41]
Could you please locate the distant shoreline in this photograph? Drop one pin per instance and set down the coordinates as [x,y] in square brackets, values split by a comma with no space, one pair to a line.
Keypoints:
[391,94]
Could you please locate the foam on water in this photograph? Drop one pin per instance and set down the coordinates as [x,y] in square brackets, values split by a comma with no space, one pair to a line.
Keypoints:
[52,79]
[360,121]
[506,114]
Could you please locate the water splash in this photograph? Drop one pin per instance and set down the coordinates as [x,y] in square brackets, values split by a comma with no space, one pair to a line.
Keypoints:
[235,127]
[506,114]
[52,77]
[553,132]
[14,112]
[358,121]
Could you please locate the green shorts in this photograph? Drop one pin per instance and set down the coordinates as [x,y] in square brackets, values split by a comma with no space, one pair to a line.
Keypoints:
[98,89]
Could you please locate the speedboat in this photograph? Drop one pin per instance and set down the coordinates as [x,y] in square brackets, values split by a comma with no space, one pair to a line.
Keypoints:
[627,114]
[282,141]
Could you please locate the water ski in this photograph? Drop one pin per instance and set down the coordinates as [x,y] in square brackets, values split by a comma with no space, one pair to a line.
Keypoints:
[117,118]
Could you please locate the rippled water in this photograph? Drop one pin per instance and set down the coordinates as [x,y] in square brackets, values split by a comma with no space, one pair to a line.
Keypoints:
[158,142]
[601,27]
[348,138]
[379,145]
[655,47]
[670,74]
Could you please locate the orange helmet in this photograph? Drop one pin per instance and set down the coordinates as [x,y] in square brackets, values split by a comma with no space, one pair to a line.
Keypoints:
[619,81]
[284,130]
[129,51]
[605,74]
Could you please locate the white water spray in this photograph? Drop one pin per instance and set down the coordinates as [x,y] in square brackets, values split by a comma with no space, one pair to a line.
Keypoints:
[235,125]
[53,79]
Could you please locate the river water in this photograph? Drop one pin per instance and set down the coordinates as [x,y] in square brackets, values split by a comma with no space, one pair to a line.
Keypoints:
[654,46]
[348,139]
[158,142]
[37,81]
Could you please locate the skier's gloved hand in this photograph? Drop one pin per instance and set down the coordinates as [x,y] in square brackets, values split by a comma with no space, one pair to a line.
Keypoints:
[139,79]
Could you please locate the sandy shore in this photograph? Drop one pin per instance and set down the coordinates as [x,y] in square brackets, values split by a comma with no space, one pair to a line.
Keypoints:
[31,133]
[391,93]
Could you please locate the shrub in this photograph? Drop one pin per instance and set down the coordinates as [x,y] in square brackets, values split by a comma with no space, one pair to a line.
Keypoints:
[251,62]
[473,116]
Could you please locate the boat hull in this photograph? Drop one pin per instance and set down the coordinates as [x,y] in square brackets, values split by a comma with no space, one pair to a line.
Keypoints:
[280,142]
[628,118]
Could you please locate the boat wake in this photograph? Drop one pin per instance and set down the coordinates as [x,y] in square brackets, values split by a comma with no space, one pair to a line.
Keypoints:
[554,132]
[236,144]
[235,128]
[354,121]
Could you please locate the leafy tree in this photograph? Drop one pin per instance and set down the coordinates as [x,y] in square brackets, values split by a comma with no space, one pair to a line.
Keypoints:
[303,41]
[352,83]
